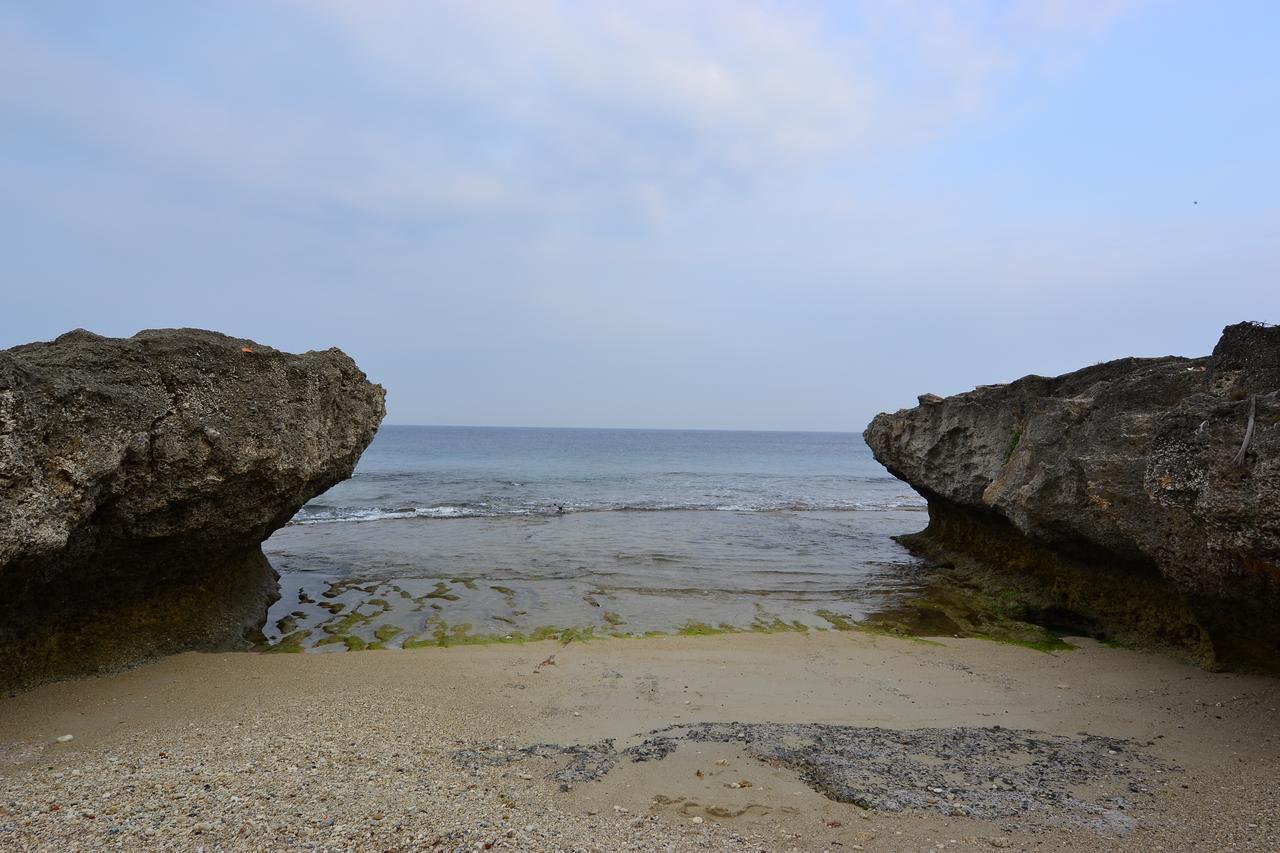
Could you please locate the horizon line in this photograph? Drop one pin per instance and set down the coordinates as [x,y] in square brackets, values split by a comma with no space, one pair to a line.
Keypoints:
[621,429]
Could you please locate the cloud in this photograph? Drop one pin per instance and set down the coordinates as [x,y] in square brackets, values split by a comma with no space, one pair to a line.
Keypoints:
[668,212]
[579,114]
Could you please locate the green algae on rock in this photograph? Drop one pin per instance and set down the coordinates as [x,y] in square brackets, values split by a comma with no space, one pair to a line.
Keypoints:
[442,591]
[385,634]
[290,643]
[693,628]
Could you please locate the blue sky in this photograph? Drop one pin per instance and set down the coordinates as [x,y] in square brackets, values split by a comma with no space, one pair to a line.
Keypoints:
[720,215]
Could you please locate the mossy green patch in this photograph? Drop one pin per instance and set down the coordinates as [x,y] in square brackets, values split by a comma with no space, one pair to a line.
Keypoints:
[960,612]
[766,624]
[581,635]
[469,583]
[883,626]
[290,643]
[838,621]
[612,618]
[693,628]
[384,634]
[989,581]
[892,629]
[354,643]
[1014,441]
[1052,644]
[441,633]
[442,591]
[346,623]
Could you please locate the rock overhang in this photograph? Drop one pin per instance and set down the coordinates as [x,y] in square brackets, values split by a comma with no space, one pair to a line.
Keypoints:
[138,478]
[1135,467]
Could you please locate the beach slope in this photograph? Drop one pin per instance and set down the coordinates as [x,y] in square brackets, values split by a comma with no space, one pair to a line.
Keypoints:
[666,743]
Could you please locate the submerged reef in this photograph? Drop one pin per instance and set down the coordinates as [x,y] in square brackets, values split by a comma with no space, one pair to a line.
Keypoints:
[1136,501]
[138,478]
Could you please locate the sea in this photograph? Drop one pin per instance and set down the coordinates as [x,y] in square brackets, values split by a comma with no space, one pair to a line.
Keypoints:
[448,535]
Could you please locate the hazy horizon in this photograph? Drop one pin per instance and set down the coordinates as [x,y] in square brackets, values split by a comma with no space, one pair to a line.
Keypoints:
[619,428]
[728,215]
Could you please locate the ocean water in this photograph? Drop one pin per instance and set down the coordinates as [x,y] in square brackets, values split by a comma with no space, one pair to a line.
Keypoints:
[446,534]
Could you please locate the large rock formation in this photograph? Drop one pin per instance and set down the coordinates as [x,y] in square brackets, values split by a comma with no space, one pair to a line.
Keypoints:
[1137,499]
[138,478]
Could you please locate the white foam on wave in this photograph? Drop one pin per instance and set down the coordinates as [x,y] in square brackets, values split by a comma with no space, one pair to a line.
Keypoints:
[347,514]
[331,516]
[336,515]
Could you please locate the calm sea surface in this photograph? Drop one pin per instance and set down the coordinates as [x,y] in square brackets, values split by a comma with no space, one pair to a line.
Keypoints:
[446,533]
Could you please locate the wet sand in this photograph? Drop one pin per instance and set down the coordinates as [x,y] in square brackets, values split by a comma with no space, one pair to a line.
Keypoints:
[369,750]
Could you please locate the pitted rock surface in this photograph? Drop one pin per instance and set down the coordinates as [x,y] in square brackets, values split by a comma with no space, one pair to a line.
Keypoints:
[1134,475]
[138,478]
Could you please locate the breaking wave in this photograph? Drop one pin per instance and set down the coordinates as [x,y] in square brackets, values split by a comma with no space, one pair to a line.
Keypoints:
[322,514]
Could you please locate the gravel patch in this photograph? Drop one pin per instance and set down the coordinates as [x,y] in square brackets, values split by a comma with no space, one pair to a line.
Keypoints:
[1023,779]
[339,786]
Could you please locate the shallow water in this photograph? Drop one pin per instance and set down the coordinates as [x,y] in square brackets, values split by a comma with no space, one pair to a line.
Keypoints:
[448,533]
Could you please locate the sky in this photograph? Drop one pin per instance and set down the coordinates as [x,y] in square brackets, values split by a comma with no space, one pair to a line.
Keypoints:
[752,215]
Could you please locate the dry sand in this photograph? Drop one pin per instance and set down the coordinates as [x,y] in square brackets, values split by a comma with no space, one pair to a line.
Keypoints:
[359,750]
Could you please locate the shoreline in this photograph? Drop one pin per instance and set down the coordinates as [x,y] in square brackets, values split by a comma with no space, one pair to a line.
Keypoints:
[362,750]
[472,580]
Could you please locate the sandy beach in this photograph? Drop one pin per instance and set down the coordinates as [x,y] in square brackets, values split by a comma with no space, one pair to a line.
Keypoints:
[421,749]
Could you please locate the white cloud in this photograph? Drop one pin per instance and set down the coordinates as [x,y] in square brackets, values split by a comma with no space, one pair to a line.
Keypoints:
[548,109]
[757,186]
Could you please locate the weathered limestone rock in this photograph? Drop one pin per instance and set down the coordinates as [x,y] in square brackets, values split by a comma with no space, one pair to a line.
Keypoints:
[1118,494]
[137,479]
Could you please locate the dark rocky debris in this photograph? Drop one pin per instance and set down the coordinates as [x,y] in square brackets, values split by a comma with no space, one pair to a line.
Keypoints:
[1022,779]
